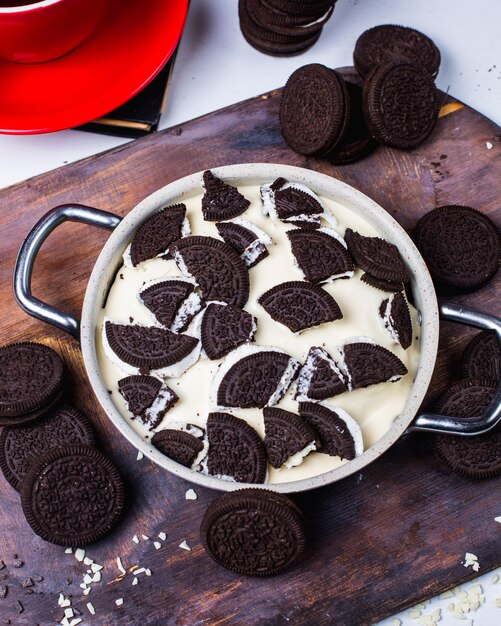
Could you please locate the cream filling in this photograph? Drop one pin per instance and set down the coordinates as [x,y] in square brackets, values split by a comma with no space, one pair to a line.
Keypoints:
[374,408]
[159,405]
[388,321]
[298,457]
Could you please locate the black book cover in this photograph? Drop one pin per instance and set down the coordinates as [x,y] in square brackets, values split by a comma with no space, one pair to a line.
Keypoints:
[139,115]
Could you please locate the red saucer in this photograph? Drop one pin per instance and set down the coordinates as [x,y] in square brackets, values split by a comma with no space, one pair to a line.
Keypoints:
[126,50]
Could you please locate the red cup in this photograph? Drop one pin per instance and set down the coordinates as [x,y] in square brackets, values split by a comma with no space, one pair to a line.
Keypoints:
[45,30]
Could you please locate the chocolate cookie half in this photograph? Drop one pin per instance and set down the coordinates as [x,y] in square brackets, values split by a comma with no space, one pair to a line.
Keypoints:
[221,201]
[461,247]
[235,449]
[72,495]
[31,382]
[156,233]
[182,447]
[224,327]
[21,445]
[217,268]
[300,305]
[253,532]
[321,254]
[253,376]
[395,315]
[340,435]
[288,437]
[364,364]
[377,257]
[147,398]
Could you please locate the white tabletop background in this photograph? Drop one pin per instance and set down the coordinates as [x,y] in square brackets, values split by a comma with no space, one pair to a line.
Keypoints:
[216,67]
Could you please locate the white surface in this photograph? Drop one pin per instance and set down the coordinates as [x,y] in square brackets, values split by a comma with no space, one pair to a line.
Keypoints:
[215,68]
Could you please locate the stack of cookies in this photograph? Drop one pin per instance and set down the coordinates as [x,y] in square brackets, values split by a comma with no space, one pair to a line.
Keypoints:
[389,97]
[71,494]
[283,27]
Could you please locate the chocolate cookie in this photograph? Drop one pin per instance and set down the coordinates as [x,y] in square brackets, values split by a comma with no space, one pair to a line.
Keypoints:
[382,285]
[20,446]
[221,201]
[357,141]
[157,232]
[377,257]
[482,357]
[396,318]
[321,254]
[466,398]
[461,247]
[474,457]
[319,378]
[31,382]
[367,364]
[253,376]
[300,305]
[148,398]
[287,435]
[269,42]
[293,203]
[285,23]
[246,239]
[339,433]
[312,9]
[145,348]
[217,268]
[235,449]
[179,446]
[314,111]
[400,104]
[388,42]
[72,495]
[174,303]
[253,532]
[224,328]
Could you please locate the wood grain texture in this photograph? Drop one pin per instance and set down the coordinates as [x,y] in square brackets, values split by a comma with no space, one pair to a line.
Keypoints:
[378,542]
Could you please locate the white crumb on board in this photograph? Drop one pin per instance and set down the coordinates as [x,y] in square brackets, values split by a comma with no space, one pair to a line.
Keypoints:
[471,560]
[185,546]
[140,456]
[191,494]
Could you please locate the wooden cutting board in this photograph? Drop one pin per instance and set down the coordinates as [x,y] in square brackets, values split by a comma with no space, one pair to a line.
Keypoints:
[378,542]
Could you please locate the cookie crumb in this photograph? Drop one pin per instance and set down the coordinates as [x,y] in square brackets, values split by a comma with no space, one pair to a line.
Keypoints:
[157,545]
[489,145]
[91,608]
[79,554]
[140,456]
[120,566]
[471,560]
[162,536]
[119,601]
[185,546]
[135,539]
[191,494]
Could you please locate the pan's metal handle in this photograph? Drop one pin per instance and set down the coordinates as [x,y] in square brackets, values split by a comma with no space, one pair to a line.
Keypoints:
[492,415]
[28,253]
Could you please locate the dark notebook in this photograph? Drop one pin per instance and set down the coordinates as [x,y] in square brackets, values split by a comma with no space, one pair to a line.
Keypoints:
[139,115]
